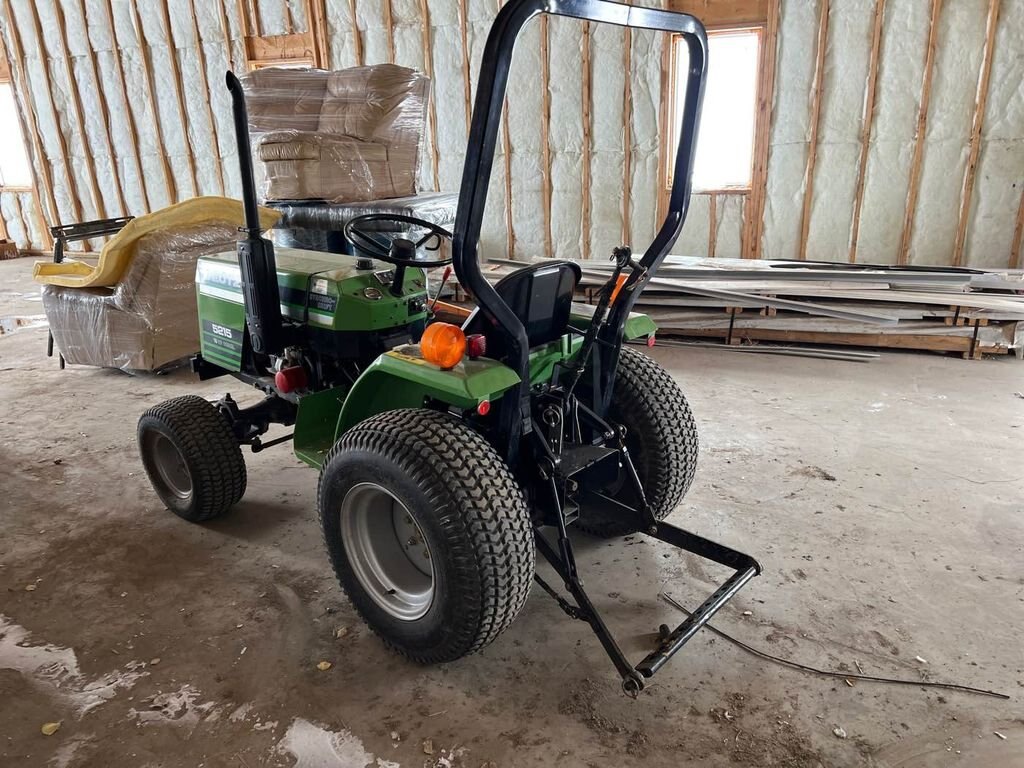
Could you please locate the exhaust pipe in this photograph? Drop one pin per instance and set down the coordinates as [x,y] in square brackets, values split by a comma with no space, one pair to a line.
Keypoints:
[256,260]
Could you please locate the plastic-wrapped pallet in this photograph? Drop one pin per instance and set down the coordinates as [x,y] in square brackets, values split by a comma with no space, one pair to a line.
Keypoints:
[347,136]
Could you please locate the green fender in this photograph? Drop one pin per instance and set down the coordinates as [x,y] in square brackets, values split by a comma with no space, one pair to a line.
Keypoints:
[637,323]
[400,378]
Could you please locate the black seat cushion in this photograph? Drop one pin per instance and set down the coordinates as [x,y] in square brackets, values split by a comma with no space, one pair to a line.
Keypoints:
[540,295]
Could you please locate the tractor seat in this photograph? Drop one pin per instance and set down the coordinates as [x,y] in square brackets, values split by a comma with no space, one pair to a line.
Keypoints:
[540,295]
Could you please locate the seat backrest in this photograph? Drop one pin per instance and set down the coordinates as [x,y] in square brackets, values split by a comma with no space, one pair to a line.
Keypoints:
[284,99]
[376,103]
[541,297]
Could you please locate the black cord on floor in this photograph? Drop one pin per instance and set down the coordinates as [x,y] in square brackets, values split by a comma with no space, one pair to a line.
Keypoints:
[829,673]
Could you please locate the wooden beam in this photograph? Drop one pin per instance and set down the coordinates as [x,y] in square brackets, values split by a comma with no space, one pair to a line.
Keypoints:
[98,204]
[428,68]
[627,138]
[257,21]
[115,52]
[389,30]
[712,224]
[753,219]
[357,40]
[587,139]
[723,12]
[903,255]
[812,148]
[506,143]
[147,71]
[866,121]
[316,15]
[172,55]
[72,188]
[1018,236]
[466,81]
[664,123]
[981,99]
[545,133]
[280,48]
[218,165]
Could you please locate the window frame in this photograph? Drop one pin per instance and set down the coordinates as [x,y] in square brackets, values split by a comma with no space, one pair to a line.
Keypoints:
[6,79]
[667,158]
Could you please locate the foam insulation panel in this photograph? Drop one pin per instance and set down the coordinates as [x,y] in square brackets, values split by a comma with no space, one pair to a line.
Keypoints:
[992,211]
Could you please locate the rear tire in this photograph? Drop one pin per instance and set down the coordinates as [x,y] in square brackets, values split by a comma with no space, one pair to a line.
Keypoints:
[192,458]
[428,532]
[661,438]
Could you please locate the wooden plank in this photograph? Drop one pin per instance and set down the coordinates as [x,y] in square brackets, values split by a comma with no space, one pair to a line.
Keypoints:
[545,133]
[389,30]
[981,99]
[467,83]
[218,165]
[357,40]
[866,121]
[754,208]
[1018,237]
[72,188]
[712,224]
[428,67]
[922,125]
[225,29]
[147,71]
[280,48]
[723,12]
[172,55]
[627,138]
[115,52]
[98,203]
[812,148]
[585,160]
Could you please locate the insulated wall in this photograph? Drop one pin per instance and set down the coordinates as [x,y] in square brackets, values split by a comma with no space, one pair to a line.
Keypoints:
[126,111]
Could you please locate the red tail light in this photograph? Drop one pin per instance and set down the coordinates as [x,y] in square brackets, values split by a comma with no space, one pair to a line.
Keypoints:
[650,340]
[476,345]
[484,407]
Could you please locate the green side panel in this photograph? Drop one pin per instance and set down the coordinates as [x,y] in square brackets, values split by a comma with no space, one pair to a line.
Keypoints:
[325,289]
[221,330]
[315,424]
[401,378]
[544,359]
[637,324]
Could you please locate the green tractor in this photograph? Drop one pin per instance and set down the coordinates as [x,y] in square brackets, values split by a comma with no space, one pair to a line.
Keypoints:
[448,456]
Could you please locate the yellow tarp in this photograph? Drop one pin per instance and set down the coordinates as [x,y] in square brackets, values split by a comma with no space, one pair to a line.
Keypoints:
[118,252]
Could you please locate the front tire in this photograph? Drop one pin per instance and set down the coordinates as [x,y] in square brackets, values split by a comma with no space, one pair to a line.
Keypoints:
[192,458]
[428,532]
[662,441]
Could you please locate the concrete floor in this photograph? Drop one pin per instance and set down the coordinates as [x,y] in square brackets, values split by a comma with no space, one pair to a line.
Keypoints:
[884,500]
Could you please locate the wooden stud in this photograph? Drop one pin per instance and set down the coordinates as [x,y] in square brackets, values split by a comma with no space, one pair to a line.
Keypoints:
[919,136]
[257,21]
[754,208]
[226,31]
[357,40]
[172,55]
[428,67]
[866,121]
[218,165]
[76,204]
[316,16]
[1018,237]
[585,159]
[4,234]
[981,99]
[812,149]
[712,224]
[105,119]
[289,21]
[98,204]
[664,122]
[147,71]
[466,81]
[389,30]
[115,52]
[545,133]
[627,138]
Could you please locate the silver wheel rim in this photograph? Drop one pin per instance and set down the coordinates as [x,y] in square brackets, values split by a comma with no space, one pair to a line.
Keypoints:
[387,551]
[171,470]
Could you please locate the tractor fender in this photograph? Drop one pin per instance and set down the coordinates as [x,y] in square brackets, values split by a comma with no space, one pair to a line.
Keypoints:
[638,324]
[401,378]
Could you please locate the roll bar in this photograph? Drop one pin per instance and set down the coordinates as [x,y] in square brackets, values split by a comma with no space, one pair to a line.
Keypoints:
[476,173]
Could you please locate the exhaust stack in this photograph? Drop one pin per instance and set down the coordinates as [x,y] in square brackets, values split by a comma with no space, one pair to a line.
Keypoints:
[255,253]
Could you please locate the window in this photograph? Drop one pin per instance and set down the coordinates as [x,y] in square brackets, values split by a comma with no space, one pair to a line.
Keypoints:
[725,146]
[15,170]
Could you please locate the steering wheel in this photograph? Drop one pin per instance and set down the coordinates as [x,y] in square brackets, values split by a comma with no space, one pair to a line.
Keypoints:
[394,247]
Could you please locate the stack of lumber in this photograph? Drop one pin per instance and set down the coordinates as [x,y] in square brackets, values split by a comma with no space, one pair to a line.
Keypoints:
[971,312]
